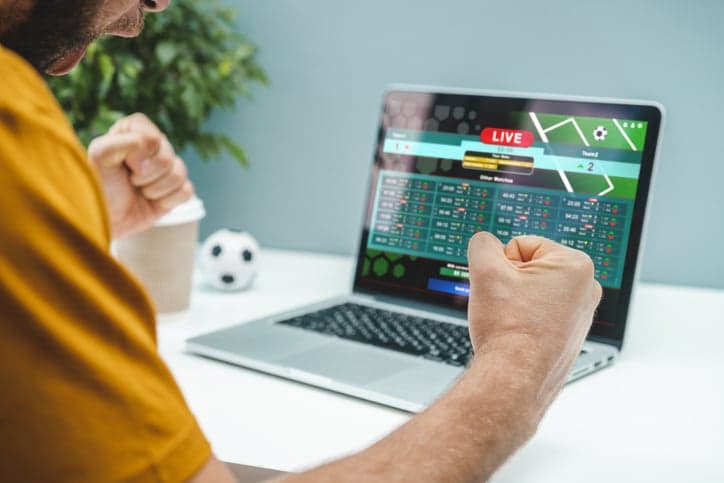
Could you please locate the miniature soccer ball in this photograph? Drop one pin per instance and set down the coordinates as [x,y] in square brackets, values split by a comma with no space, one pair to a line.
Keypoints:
[229,260]
[600,133]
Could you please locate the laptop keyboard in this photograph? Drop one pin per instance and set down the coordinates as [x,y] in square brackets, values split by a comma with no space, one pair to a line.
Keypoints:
[431,339]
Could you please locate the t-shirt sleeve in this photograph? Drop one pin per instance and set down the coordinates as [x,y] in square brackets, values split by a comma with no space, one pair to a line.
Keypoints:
[86,395]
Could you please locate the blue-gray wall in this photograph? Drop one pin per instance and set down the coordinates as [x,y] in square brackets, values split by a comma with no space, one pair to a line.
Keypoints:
[310,135]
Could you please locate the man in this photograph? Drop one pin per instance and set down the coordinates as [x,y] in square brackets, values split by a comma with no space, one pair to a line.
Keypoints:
[86,395]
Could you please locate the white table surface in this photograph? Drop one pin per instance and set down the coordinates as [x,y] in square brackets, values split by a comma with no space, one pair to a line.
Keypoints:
[656,416]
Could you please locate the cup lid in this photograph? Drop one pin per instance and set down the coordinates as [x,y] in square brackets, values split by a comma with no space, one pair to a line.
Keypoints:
[192,210]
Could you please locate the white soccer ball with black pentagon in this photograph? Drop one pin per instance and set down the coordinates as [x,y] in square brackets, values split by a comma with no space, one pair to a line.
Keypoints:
[600,133]
[229,260]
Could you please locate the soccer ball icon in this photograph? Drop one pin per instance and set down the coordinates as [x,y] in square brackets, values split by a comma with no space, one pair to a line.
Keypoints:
[600,133]
[229,260]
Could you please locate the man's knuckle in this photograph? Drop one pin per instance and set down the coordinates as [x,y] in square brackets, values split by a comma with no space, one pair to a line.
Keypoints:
[585,264]
[94,148]
[163,161]
[597,290]
[182,173]
[577,261]
[181,168]
[188,189]
[178,175]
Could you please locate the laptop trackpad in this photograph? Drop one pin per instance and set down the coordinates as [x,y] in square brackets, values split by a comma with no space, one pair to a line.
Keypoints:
[349,364]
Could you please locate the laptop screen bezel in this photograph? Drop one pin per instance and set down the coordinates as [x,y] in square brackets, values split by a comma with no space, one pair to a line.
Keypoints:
[649,111]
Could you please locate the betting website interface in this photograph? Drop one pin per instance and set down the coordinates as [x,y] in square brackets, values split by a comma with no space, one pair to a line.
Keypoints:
[444,172]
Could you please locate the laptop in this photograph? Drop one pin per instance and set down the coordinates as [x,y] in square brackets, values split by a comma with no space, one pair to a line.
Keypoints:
[448,163]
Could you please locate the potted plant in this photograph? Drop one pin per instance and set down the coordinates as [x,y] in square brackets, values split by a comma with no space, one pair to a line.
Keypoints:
[189,61]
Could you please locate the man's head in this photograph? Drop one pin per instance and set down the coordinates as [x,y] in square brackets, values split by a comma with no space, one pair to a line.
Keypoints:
[53,35]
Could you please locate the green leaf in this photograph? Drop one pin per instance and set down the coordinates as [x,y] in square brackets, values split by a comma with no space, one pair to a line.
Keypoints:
[166,52]
[245,51]
[236,151]
[107,71]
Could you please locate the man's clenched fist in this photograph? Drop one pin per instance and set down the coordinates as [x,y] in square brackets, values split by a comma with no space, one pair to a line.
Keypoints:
[142,177]
[531,302]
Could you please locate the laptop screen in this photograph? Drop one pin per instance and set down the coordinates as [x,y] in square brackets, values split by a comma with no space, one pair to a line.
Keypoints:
[448,165]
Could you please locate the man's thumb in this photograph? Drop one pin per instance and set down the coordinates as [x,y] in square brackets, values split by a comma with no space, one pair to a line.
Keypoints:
[486,254]
[111,150]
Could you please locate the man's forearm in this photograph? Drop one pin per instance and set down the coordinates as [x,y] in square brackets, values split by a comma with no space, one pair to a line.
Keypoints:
[531,305]
[465,436]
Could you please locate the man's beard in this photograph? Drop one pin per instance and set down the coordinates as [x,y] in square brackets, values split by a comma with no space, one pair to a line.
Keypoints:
[53,29]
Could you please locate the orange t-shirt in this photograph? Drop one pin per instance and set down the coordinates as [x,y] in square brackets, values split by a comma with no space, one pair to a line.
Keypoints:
[85,395]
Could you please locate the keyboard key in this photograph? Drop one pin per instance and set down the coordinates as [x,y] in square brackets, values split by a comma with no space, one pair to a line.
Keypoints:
[431,339]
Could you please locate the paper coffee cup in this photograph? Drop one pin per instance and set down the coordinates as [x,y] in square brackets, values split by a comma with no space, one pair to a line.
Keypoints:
[162,257]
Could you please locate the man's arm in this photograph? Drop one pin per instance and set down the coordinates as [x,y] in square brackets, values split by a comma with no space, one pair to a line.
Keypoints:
[531,306]
[466,436]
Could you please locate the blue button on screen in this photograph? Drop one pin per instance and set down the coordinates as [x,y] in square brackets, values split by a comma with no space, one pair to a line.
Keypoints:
[446,286]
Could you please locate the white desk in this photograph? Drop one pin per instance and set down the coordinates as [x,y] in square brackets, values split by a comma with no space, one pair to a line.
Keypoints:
[656,416]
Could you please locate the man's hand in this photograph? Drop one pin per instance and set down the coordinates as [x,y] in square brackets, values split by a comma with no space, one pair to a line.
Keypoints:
[142,177]
[531,302]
